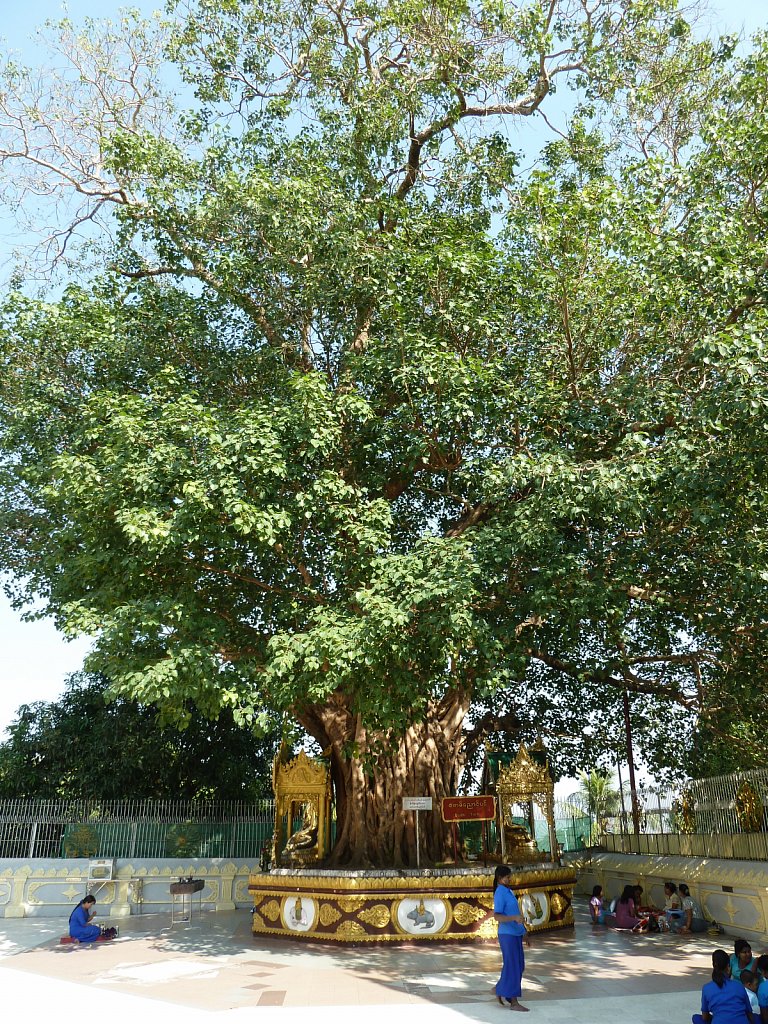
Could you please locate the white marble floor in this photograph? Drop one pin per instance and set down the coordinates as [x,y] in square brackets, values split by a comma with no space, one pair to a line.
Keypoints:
[214,970]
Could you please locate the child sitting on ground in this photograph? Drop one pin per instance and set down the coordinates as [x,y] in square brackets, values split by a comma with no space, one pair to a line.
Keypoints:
[750,982]
[596,909]
[762,988]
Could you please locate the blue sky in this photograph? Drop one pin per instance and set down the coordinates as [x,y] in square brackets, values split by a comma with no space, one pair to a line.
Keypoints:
[732,16]
[36,658]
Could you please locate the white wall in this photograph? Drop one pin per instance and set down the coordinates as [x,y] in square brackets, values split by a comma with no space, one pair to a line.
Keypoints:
[51,888]
[732,892]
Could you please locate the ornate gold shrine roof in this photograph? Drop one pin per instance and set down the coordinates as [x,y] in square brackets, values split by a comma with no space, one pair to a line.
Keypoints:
[524,778]
[300,774]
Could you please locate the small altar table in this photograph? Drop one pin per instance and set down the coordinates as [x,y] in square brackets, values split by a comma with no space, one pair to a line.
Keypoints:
[182,901]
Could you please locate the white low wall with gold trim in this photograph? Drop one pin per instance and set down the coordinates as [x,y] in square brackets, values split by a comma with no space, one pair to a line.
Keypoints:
[732,892]
[51,888]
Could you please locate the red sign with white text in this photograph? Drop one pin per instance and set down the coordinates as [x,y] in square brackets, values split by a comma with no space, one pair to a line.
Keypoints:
[468,808]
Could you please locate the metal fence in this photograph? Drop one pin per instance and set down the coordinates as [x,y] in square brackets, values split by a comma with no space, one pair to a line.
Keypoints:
[141,829]
[572,828]
[134,829]
[723,816]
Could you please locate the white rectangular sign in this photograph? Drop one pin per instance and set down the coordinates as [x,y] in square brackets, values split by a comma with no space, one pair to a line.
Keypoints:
[417,803]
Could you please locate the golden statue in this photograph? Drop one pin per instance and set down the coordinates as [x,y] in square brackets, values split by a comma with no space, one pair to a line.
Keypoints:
[519,842]
[297,914]
[302,788]
[305,837]
[526,782]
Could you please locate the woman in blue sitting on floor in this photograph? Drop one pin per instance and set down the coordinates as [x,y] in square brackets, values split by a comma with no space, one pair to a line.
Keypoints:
[80,926]
[741,958]
[723,1000]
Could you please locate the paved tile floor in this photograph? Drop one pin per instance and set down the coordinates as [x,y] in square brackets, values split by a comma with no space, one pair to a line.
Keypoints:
[214,970]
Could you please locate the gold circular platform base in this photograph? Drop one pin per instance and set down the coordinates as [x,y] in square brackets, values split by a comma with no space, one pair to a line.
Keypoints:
[403,906]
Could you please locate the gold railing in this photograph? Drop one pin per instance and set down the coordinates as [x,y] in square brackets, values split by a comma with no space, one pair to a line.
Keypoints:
[725,816]
[740,846]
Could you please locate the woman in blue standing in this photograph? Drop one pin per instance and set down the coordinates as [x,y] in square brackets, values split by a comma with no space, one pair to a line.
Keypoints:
[80,926]
[506,910]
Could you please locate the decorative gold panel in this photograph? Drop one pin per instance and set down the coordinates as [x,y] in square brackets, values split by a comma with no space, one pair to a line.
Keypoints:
[557,903]
[465,914]
[488,929]
[530,876]
[328,915]
[349,904]
[271,910]
[350,930]
[378,916]
[47,892]
[375,909]
[213,893]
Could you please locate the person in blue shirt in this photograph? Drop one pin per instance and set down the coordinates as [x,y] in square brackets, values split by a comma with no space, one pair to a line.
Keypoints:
[723,1000]
[506,910]
[80,926]
[741,959]
[762,988]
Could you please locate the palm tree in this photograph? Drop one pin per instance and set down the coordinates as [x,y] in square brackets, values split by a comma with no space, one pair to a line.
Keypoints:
[597,796]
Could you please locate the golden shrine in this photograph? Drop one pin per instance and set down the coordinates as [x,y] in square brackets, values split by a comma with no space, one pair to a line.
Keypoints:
[302,787]
[526,783]
[300,899]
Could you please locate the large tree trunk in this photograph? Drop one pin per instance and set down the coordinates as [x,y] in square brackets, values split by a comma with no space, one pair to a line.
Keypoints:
[372,830]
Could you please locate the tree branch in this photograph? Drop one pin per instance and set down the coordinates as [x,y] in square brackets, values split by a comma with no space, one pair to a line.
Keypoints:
[626,681]
[491,722]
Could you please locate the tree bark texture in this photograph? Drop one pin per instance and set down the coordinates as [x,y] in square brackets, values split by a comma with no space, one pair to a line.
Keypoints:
[372,830]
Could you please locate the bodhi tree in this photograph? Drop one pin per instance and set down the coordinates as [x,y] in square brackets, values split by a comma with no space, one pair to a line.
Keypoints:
[349,408]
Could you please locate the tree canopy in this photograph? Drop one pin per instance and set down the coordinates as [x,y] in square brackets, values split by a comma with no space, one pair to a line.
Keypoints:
[84,747]
[358,411]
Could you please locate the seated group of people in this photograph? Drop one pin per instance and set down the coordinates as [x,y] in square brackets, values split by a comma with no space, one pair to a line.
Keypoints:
[680,912]
[738,991]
